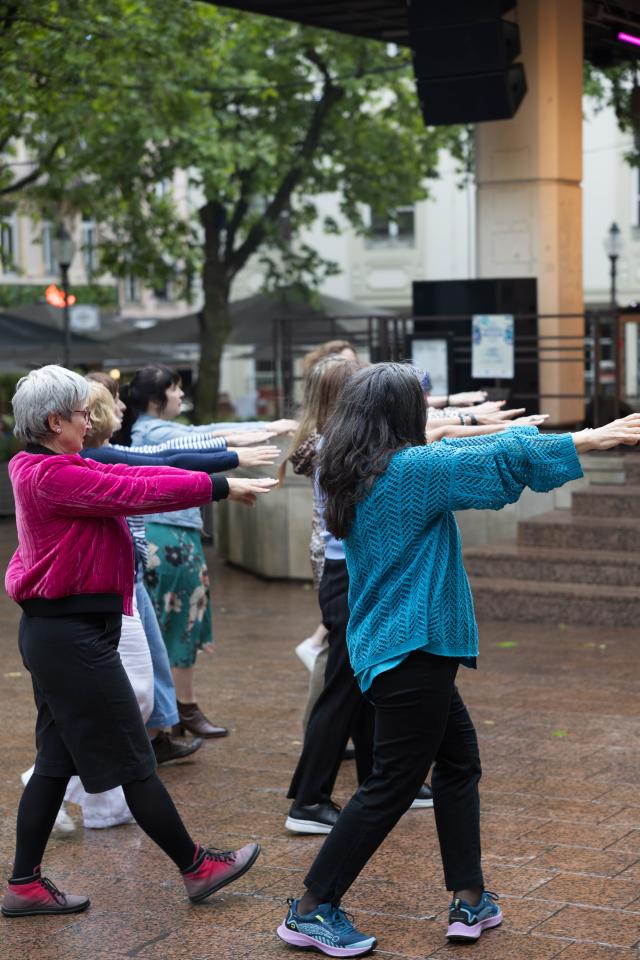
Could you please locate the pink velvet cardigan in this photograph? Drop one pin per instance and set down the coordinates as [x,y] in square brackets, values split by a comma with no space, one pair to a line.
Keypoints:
[72,536]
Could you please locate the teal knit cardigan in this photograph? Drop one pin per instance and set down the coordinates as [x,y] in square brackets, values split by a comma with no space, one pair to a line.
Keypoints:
[408,586]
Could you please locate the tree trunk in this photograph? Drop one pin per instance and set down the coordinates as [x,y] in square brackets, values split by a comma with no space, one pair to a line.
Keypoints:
[215,322]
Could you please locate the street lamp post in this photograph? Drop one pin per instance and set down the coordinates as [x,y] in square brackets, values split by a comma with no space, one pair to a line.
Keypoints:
[613,248]
[63,249]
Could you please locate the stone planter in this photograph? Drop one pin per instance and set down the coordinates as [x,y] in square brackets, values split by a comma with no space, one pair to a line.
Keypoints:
[270,539]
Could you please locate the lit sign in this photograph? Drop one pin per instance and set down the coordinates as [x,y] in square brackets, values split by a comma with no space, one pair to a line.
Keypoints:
[55,296]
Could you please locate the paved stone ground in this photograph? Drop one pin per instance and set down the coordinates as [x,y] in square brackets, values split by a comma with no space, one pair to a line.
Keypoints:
[557,714]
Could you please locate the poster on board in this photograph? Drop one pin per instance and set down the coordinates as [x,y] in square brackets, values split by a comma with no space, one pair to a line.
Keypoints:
[432,356]
[492,346]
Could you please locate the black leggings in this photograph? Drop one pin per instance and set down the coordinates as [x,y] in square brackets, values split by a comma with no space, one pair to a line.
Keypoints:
[148,801]
[419,718]
[340,711]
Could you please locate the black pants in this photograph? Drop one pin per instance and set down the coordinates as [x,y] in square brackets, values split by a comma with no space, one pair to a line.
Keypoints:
[340,711]
[419,718]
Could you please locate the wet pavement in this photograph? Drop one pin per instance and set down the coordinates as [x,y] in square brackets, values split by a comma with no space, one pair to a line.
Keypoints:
[557,710]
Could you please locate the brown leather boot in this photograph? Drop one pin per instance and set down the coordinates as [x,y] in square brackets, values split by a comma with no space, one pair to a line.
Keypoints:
[193,719]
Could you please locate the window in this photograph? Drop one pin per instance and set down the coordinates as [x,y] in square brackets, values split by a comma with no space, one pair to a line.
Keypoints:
[49,266]
[88,246]
[635,199]
[8,244]
[162,291]
[131,289]
[392,230]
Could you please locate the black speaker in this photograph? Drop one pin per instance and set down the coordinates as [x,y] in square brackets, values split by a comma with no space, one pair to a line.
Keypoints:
[434,13]
[472,99]
[463,60]
[456,51]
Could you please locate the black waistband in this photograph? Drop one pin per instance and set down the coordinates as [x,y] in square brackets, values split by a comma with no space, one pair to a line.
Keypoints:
[80,603]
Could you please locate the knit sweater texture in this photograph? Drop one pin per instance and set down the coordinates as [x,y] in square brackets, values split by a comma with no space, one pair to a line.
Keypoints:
[408,586]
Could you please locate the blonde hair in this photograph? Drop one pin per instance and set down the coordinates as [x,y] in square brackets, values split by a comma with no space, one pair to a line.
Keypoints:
[331,347]
[104,416]
[312,402]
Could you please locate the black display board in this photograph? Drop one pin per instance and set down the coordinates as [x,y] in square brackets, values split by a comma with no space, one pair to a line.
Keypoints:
[444,308]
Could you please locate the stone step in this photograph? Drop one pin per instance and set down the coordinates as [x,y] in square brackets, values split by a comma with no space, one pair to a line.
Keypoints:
[603,468]
[511,561]
[632,469]
[607,501]
[554,603]
[563,529]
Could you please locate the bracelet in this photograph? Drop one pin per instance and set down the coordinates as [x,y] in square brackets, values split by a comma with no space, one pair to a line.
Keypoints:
[446,402]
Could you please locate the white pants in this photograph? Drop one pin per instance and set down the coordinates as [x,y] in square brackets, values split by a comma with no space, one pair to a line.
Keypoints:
[109,809]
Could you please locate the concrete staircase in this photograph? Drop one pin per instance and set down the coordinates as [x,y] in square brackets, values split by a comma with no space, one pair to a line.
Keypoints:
[570,566]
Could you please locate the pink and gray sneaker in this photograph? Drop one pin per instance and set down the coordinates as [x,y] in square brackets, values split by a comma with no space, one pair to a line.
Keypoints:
[28,896]
[213,869]
[467,923]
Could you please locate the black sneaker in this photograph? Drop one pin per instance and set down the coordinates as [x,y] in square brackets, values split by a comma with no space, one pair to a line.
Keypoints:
[424,798]
[315,818]
[168,748]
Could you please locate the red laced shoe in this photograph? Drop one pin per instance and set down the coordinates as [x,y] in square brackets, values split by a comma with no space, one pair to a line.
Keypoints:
[29,896]
[213,869]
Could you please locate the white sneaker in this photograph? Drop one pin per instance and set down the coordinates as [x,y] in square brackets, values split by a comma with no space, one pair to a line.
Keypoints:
[308,651]
[64,824]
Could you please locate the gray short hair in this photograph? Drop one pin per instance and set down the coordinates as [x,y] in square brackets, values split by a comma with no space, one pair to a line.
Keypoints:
[49,390]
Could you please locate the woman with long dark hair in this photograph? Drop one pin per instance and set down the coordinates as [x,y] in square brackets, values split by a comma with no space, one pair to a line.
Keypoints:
[390,497]
[176,576]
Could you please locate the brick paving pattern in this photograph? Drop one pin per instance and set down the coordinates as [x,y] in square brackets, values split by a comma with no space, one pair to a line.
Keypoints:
[556,708]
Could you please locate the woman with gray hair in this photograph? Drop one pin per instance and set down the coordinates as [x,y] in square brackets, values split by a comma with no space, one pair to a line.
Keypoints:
[72,574]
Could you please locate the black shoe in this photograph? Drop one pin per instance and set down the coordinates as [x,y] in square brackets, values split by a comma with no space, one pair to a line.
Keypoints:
[424,797]
[315,818]
[168,748]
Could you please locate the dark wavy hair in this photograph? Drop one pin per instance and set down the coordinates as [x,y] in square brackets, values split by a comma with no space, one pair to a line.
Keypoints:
[380,410]
[149,383]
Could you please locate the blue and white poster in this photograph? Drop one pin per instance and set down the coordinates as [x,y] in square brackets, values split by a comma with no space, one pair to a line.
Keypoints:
[492,346]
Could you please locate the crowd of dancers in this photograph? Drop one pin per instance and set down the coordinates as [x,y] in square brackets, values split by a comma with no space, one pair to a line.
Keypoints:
[114,589]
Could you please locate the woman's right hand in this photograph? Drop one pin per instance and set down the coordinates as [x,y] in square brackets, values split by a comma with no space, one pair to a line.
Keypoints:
[624,431]
[256,456]
[498,416]
[246,491]
[245,438]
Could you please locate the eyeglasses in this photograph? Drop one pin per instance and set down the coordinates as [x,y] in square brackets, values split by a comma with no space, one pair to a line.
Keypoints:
[85,413]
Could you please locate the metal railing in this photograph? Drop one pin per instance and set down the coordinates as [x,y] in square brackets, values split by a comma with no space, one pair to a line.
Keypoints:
[380,337]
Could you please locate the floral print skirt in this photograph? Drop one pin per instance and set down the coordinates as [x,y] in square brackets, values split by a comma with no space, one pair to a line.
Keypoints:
[178,581]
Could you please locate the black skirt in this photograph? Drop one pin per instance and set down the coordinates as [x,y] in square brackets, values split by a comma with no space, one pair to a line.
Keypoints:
[89,722]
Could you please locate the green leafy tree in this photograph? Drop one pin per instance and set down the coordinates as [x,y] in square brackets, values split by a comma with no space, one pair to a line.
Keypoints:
[258,116]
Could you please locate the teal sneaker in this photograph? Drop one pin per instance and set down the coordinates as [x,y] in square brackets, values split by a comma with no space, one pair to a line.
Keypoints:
[326,929]
[466,923]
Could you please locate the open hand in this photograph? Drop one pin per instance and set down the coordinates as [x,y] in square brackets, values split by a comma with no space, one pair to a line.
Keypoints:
[246,491]
[535,420]
[245,438]
[625,431]
[489,406]
[467,399]
[282,427]
[256,456]
[498,416]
